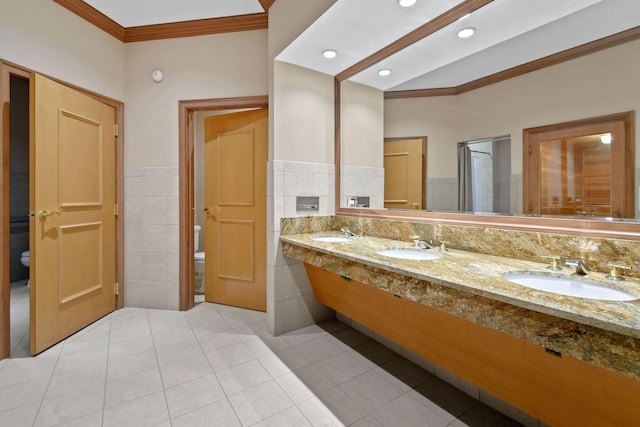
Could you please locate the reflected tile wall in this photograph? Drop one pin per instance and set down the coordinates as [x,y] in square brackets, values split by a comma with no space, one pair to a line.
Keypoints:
[442,194]
[359,181]
[151,238]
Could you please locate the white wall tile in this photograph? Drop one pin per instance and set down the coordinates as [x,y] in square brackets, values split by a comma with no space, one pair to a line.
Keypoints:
[298,312]
[152,237]
[296,281]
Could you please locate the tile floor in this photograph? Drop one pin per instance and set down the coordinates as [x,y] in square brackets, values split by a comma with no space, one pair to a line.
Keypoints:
[218,366]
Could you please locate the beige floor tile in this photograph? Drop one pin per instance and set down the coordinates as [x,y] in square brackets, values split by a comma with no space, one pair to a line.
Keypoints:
[132,387]
[185,370]
[258,403]
[149,411]
[193,395]
[242,377]
[219,414]
[70,406]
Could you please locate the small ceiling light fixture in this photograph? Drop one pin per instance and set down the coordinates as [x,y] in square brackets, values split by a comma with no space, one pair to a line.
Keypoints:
[406,3]
[384,72]
[466,32]
[329,53]
[605,138]
[157,76]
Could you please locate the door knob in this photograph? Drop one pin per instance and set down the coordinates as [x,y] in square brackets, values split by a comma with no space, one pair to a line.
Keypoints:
[44,214]
[212,212]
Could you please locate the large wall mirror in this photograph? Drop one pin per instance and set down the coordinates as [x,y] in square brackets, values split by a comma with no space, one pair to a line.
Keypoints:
[452,107]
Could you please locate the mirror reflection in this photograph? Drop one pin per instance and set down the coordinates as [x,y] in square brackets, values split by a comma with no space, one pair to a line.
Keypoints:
[575,176]
[484,173]
[597,84]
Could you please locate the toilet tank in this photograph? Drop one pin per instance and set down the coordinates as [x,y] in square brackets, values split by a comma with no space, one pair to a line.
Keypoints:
[196,237]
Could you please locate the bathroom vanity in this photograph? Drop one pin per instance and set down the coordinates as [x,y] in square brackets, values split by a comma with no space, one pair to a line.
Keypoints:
[565,360]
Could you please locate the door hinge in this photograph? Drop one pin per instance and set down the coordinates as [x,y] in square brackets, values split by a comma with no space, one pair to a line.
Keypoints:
[117,288]
[115,210]
[115,130]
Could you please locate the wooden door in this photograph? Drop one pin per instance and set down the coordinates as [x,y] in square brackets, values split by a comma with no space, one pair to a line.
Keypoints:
[404,173]
[236,149]
[72,218]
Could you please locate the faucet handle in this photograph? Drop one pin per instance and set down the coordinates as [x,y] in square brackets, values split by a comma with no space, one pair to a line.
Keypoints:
[614,274]
[443,246]
[553,263]
[416,240]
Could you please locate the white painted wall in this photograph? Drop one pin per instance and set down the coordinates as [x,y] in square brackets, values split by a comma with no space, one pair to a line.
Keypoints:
[303,117]
[47,38]
[211,66]
[598,84]
[361,109]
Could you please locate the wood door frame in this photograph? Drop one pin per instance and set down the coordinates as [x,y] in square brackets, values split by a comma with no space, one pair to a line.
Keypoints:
[8,70]
[425,140]
[186,186]
[623,160]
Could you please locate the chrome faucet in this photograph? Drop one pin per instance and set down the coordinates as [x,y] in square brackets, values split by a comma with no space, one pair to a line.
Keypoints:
[347,232]
[420,243]
[579,264]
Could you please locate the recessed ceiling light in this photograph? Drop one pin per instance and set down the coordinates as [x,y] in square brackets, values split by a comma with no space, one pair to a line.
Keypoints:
[466,32]
[406,3]
[384,72]
[329,53]
[605,138]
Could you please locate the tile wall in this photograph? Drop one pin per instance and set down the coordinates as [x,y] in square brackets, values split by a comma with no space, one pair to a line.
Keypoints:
[151,238]
[442,194]
[359,181]
[290,302]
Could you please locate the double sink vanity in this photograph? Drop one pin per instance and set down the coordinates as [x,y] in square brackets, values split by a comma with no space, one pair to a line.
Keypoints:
[563,347]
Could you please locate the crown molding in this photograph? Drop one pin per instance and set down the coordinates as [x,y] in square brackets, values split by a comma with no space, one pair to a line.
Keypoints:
[199,27]
[557,58]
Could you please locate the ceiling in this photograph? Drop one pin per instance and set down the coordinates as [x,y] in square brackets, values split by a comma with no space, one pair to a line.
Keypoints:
[142,20]
[509,33]
[135,13]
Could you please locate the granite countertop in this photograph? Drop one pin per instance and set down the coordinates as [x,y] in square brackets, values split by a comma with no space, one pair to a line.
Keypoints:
[481,275]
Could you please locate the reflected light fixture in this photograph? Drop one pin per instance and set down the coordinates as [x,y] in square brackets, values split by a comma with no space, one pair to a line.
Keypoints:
[466,32]
[605,138]
[329,53]
[384,72]
[406,3]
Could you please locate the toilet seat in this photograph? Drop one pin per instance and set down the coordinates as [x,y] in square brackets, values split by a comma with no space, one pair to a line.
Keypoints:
[199,256]
[25,259]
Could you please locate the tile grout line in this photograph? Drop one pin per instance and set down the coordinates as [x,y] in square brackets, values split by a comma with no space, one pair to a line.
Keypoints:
[44,395]
[213,371]
[106,371]
[155,352]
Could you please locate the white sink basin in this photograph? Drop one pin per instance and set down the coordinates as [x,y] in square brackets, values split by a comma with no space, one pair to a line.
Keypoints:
[333,239]
[566,285]
[411,254]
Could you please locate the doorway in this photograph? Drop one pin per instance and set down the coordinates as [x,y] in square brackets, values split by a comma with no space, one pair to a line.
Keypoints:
[187,126]
[16,129]
[19,258]
[581,168]
[484,175]
[405,173]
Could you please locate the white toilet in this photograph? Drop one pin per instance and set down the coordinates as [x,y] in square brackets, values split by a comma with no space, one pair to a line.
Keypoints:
[198,261]
[25,260]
